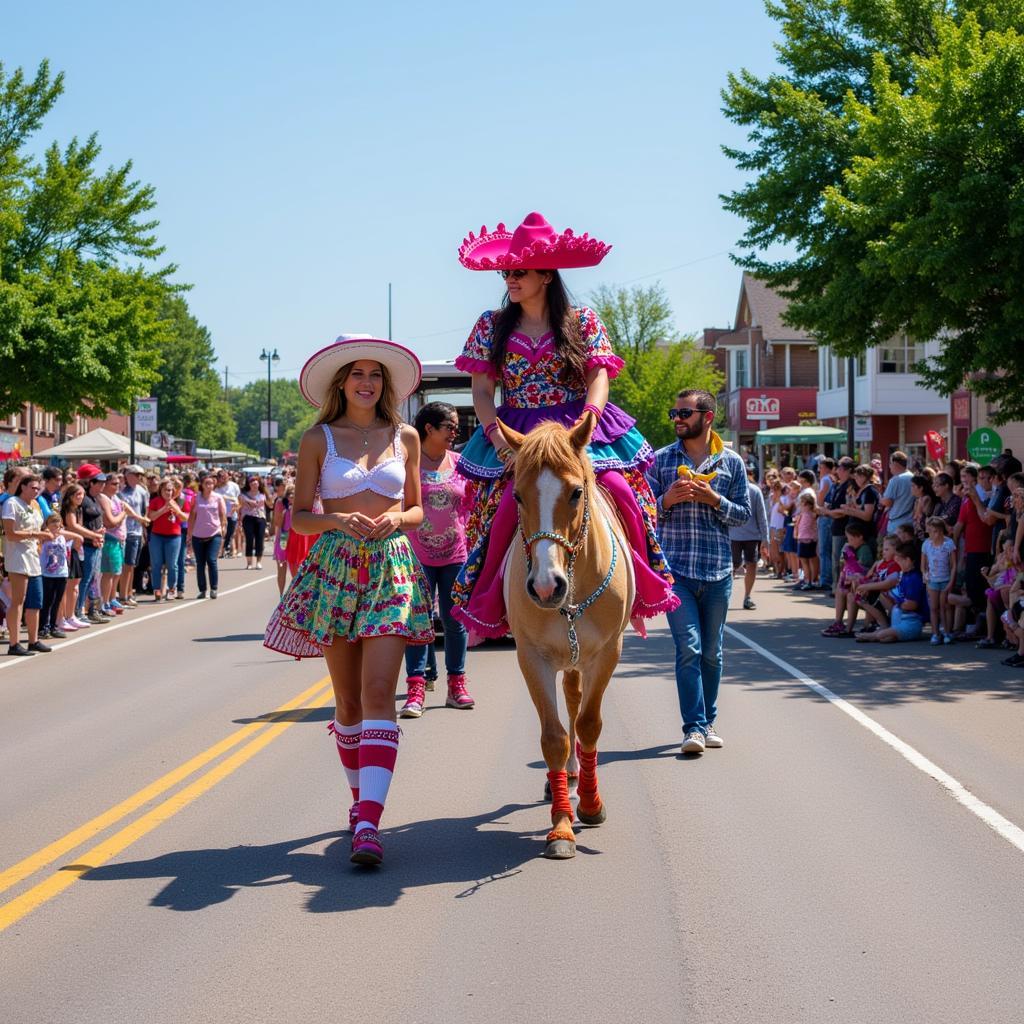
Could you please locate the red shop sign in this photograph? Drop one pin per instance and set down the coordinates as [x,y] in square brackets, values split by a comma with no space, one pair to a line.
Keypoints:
[936,445]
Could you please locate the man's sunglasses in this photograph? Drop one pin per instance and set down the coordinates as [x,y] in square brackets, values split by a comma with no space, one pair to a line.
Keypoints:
[517,274]
[683,414]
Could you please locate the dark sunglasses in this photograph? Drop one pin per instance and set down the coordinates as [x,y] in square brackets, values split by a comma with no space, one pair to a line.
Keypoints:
[683,414]
[517,274]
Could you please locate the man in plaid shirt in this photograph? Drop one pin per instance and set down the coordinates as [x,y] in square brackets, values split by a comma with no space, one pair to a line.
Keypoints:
[694,517]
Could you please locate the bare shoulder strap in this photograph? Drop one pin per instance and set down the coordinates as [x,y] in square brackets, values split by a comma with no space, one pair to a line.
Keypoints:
[398,442]
[331,450]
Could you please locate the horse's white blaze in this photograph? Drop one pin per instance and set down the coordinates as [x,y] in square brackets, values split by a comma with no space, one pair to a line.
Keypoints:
[546,568]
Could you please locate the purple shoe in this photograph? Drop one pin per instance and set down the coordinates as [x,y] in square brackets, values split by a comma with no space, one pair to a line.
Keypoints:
[366,847]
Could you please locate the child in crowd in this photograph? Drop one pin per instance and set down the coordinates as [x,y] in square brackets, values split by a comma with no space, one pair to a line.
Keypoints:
[1000,577]
[909,602]
[868,592]
[776,528]
[790,492]
[1013,622]
[54,556]
[938,565]
[805,527]
[854,562]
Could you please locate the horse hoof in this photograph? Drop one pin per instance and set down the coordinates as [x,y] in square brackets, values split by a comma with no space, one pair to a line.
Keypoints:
[599,817]
[560,849]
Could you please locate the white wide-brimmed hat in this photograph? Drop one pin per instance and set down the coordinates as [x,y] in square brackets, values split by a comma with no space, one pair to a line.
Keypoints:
[321,367]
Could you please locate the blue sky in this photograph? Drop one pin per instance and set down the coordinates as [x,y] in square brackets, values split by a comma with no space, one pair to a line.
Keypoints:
[305,155]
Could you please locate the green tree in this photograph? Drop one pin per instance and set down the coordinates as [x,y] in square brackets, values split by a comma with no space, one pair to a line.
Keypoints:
[889,154]
[80,324]
[192,402]
[636,319]
[659,362]
[292,412]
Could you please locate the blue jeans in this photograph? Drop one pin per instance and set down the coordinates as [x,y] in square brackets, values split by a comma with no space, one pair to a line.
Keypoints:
[163,553]
[697,627]
[441,578]
[825,551]
[206,550]
[90,567]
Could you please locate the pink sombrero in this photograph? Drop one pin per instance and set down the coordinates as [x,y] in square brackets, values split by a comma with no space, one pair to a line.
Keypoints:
[321,367]
[534,245]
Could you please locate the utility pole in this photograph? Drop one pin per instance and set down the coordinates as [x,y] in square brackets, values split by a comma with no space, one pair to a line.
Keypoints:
[851,445]
[389,310]
[131,433]
[271,358]
[225,382]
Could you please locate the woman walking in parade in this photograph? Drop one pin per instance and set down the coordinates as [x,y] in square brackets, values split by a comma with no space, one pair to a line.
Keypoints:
[207,525]
[359,597]
[553,361]
[253,513]
[440,545]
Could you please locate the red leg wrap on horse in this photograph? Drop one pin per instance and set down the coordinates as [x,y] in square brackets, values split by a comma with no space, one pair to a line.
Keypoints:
[559,795]
[590,799]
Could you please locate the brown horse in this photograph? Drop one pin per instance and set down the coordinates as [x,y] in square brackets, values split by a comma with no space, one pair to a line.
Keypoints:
[568,591]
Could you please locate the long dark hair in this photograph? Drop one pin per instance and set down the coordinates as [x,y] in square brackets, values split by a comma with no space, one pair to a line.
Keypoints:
[565,326]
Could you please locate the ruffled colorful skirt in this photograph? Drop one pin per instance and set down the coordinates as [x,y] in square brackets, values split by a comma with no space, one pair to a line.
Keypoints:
[620,455]
[353,589]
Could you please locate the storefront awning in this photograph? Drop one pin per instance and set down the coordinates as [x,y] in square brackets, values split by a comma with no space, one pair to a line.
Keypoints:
[800,435]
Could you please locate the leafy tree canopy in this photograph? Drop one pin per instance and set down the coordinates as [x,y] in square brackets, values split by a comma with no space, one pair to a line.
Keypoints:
[292,412]
[191,400]
[80,313]
[659,362]
[889,153]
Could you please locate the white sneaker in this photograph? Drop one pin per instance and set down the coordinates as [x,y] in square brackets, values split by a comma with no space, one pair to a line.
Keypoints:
[693,742]
[935,640]
[80,623]
[712,739]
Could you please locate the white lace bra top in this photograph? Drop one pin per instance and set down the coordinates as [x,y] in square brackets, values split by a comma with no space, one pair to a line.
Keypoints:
[341,477]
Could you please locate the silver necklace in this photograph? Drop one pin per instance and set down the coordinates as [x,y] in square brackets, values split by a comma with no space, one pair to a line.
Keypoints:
[365,433]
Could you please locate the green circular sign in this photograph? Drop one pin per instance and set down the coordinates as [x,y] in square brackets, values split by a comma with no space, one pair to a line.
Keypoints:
[984,445]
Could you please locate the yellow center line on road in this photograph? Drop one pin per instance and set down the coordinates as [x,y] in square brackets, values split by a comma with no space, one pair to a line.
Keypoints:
[48,854]
[16,909]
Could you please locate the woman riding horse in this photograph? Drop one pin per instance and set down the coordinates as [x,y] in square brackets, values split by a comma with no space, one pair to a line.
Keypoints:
[553,362]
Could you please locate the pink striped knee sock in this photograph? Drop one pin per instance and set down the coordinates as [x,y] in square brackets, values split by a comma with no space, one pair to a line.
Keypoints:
[378,751]
[347,738]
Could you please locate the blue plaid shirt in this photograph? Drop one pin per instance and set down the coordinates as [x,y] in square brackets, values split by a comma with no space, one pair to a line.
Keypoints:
[694,536]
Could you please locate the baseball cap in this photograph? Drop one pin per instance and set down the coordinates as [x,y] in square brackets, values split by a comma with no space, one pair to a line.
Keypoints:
[133,468]
[87,471]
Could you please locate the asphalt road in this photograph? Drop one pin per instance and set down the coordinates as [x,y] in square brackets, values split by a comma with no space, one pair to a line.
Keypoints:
[171,847]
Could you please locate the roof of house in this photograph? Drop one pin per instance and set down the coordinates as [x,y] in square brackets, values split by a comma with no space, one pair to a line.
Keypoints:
[766,311]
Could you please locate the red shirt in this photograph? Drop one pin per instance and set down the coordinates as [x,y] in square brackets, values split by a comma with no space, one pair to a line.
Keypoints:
[977,534]
[167,525]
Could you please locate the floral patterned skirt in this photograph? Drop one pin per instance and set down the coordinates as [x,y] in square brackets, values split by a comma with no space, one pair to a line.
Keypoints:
[353,589]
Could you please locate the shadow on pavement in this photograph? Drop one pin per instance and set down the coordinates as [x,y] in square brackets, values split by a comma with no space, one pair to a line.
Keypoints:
[423,853]
[233,638]
[871,675]
[294,715]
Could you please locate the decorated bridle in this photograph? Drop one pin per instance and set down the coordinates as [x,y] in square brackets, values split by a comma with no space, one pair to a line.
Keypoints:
[570,610]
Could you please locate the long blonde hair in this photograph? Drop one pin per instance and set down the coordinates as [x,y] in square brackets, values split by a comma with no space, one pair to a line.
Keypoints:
[335,402]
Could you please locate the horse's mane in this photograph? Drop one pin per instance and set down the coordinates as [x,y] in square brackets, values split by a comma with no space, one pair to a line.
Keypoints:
[548,444]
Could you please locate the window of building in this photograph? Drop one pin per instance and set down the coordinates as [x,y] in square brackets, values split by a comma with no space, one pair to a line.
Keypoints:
[740,368]
[899,355]
[840,372]
[826,376]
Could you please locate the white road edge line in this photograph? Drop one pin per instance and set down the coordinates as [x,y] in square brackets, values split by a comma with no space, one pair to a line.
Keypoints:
[63,645]
[989,815]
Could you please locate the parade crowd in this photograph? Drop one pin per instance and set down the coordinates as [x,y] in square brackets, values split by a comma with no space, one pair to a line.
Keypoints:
[931,552]
[81,547]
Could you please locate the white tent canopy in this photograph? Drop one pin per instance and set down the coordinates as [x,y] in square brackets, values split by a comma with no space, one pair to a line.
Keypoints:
[100,444]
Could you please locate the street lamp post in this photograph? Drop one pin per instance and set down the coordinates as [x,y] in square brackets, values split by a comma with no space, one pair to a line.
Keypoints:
[271,358]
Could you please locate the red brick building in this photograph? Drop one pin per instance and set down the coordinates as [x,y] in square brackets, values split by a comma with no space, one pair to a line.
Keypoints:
[34,430]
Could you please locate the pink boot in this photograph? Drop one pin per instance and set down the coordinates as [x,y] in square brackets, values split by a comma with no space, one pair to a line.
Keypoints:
[458,695]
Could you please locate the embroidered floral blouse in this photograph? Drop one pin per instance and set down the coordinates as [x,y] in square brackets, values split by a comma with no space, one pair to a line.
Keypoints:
[534,374]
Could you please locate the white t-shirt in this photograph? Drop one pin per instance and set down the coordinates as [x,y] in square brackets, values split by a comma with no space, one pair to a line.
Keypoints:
[230,492]
[23,555]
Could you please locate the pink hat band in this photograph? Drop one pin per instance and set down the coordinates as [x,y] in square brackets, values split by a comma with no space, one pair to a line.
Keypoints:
[534,245]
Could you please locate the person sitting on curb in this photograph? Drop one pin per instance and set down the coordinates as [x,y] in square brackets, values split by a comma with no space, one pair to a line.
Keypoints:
[868,592]
[853,563]
[910,602]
